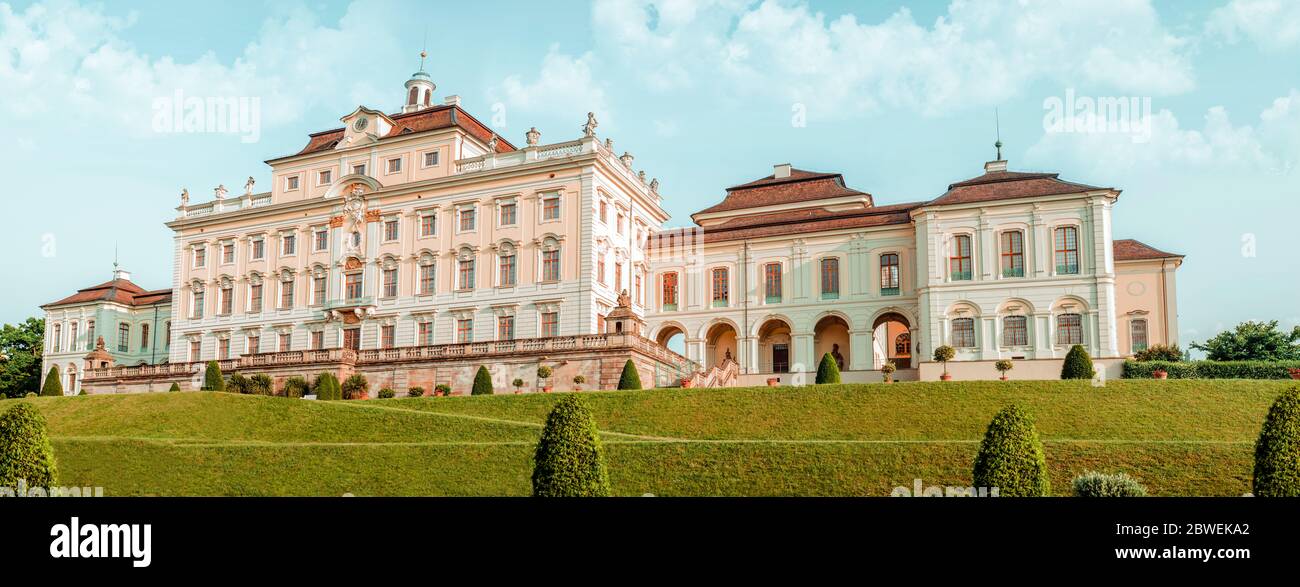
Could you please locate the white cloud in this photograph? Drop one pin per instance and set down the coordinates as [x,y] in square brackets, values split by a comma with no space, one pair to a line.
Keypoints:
[978,53]
[1274,25]
[563,84]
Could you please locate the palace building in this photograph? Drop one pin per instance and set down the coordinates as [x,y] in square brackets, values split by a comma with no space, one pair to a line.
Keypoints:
[415,246]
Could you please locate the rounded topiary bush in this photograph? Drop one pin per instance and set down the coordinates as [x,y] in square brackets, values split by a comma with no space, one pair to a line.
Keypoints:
[356,387]
[629,379]
[569,461]
[327,387]
[1277,452]
[482,382]
[53,386]
[1078,365]
[828,371]
[415,392]
[1011,456]
[212,379]
[387,393]
[1094,484]
[25,451]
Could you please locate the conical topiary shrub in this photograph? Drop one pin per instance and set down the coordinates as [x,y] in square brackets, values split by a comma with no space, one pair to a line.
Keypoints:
[327,387]
[568,461]
[1078,365]
[175,387]
[482,382]
[828,371]
[212,379]
[25,451]
[53,386]
[630,379]
[1011,457]
[1277,452]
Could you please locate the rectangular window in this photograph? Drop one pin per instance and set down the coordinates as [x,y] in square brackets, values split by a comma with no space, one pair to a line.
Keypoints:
[144,336]
[90,334]
[288,244]
[291,183]
[223,349]
[1069,329]
[604,212]
[1067,250]
[387,336]
[550,265]
[1013,253]
[431,158]
[428,224]
[1138,333]
[505,327]
[467,219]
[721,293]
[425,334]
[72,338]
[465,274]
[507,273]
[600,270]
[123,337]
[890,281]
[352,286]
[286,294]
[196,350]
[390,283]
[670,291]
[830,273]
[427,273]
[359,169]
[321,240]
[551,208]
[324,177]
[618,275]
[318,290]
[228,253]
[255,298]
[1015,331]
[618,222]
[772,282]
[317,340]
[259,249]
[508,214]
[57,342]
[638,295]
[198,304]
[963,332]
[200,257]
[254,344]
[390,230]
[352,339]
[227,301]
[286,342]
[960,264]
[465,330]
[395,165]
[550,324]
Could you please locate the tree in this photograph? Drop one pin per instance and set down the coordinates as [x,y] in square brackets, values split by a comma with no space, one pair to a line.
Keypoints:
[482,382]
[355,386]
[1004,365]
[327,387]
[629,379]
[944,354]
[1077,365]
[828,371]
[569,461]
[25,451]
[212,379]
[1253,341]
[53,386]
[261,384]
[21,348]
[1011,457]
[1277,452]
[295,387]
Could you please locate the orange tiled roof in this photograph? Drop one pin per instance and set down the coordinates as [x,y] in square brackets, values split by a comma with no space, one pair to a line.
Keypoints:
[1007,185]
[801,186]
[119,291]
[1132,250]
[432,118]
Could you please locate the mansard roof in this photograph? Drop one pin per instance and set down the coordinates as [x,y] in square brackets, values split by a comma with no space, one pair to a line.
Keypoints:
[801,186]
[1132,250]
[432,118]
[120,291]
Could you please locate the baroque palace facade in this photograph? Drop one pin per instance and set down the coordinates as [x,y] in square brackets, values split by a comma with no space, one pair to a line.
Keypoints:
[415,246]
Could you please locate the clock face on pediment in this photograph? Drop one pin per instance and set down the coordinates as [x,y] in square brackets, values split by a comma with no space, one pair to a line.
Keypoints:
[360,124]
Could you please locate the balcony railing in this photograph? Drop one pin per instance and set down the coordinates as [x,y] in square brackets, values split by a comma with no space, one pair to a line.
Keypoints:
[1013,272]
[1067,269]
[960,276]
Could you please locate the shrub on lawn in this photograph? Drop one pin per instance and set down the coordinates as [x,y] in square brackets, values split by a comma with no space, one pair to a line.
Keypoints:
[828,371]
[295,387]
[175,387]
[1094,484]
[327,387]
[944,354]
[1011,456]
[387,393]
[482,382]
[25,451]
[415,392]
[518,383]
[1078,365]
[356,387]
[1211,369]
[212,379]
[261,384]
[52,387]
[568,461]
[629,379]
[442,388]
[1159,352]
[1277,452]
[237,384]
[1004,365]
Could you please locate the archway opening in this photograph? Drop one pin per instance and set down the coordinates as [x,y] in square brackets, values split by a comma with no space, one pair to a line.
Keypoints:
[831,335]
[673,339]
[892,341]
[774,350]
[720,344]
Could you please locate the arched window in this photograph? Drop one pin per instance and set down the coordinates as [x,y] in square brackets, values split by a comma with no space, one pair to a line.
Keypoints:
[963,333]
[960,265]
[903,344]
[413,97]
[1067,250]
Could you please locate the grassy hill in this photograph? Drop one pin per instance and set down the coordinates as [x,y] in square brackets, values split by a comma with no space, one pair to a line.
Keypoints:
[1185,437]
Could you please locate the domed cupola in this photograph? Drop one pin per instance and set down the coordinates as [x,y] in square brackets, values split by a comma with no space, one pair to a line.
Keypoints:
[419,89]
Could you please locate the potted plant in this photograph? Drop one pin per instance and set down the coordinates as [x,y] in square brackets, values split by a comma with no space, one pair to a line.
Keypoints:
[519,385]
[888,371]
[441,390]
[544,373]
[687,383]
[578,380]
[1160,374]
[1295,373]
[944,354]
[1003,366]
[773,381]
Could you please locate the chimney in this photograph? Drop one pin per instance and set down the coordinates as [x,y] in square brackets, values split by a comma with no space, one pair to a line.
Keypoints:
[781,171]
[122,274]
[452,100]
[999,165]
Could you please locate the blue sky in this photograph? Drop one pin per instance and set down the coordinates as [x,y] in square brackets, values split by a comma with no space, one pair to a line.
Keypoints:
[899,97]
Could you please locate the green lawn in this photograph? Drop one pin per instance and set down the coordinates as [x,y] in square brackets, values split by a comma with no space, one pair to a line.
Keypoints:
[1183,437]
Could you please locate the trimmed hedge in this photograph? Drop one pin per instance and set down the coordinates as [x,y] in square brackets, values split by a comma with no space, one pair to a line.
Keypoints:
[482,382]
[327,387]
[212,379]
[1211,369]
[1094,484]
[569,461]
[828,371]
[53,386]
[25,451]
[1077,365]
[1011,457]
[1277,452]
[630,379]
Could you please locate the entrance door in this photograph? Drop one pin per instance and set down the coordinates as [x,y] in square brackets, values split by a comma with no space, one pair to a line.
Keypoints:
[352,339]
[780,358]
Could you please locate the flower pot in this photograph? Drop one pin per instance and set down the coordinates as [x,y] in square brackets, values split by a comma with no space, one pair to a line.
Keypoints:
[546,389]
[1160,375]
[945,377]
[1295,373]
[773,381]
[1003,378]
[889,380]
